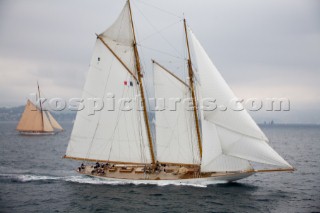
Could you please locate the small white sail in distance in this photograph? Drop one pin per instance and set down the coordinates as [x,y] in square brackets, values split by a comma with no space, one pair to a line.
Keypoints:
[238,135]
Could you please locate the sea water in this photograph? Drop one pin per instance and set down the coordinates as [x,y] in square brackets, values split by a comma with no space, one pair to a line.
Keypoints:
[35,178]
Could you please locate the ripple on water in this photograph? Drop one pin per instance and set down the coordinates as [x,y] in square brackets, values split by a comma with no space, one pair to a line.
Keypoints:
[37,179]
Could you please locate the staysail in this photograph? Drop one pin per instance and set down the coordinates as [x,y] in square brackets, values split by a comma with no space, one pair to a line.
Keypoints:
[238,135]
[47,127]
[176,139]
[53,122]
[113,133]
[213,158]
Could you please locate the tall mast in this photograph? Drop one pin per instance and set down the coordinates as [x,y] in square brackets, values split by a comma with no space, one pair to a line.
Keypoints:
[190,71]
[138,67]
[40,106]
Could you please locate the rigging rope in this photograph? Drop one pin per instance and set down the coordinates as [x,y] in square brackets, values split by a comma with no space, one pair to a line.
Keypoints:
[158,31]
[155,28]
[162,52]
[161,9]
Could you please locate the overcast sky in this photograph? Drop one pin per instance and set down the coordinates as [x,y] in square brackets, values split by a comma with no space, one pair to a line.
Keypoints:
[263,49]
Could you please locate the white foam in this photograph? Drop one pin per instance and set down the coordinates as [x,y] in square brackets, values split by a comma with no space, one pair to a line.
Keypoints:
[165,183]
[93,180]
[97,181]
[27,177]
[89,180]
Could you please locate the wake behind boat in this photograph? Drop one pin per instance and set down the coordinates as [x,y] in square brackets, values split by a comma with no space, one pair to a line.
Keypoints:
[189,146]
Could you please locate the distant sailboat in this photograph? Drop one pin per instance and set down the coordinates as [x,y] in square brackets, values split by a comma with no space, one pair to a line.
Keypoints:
[36,121]
[189,146]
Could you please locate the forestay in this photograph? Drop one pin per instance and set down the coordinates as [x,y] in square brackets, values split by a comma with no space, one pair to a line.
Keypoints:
[237,133]
[111,134]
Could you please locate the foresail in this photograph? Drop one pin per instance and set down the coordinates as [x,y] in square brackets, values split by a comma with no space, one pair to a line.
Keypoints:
[31,119]
[242,146]
[214,86]
[251,143]
[53,122]
[176,139]
[47,127]
[113,133]
[214,158]
[226,163]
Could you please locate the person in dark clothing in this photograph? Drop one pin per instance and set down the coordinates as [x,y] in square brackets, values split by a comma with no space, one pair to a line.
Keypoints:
[97,165]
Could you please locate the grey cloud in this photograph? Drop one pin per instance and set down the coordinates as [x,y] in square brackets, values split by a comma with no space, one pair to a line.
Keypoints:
[269,46]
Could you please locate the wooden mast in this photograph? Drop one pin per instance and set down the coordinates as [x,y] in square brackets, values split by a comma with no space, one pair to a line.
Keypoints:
[117,57]
[138,67]
[190,71]
[40,106]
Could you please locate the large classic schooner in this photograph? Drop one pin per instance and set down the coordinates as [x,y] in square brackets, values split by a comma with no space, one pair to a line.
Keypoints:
[189,146]
[37,121]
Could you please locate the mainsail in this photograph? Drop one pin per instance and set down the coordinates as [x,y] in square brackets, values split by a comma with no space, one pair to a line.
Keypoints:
[35,120]
[238,135]
[31,119]
[111,134]
[176,140]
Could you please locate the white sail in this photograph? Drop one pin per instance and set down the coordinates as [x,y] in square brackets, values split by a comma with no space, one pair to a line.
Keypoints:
[119,37]
[242,146]
[213,156]
[176,140]
[111,134]
[251,143]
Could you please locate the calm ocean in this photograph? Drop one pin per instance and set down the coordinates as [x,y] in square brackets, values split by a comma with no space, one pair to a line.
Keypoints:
[34,178]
